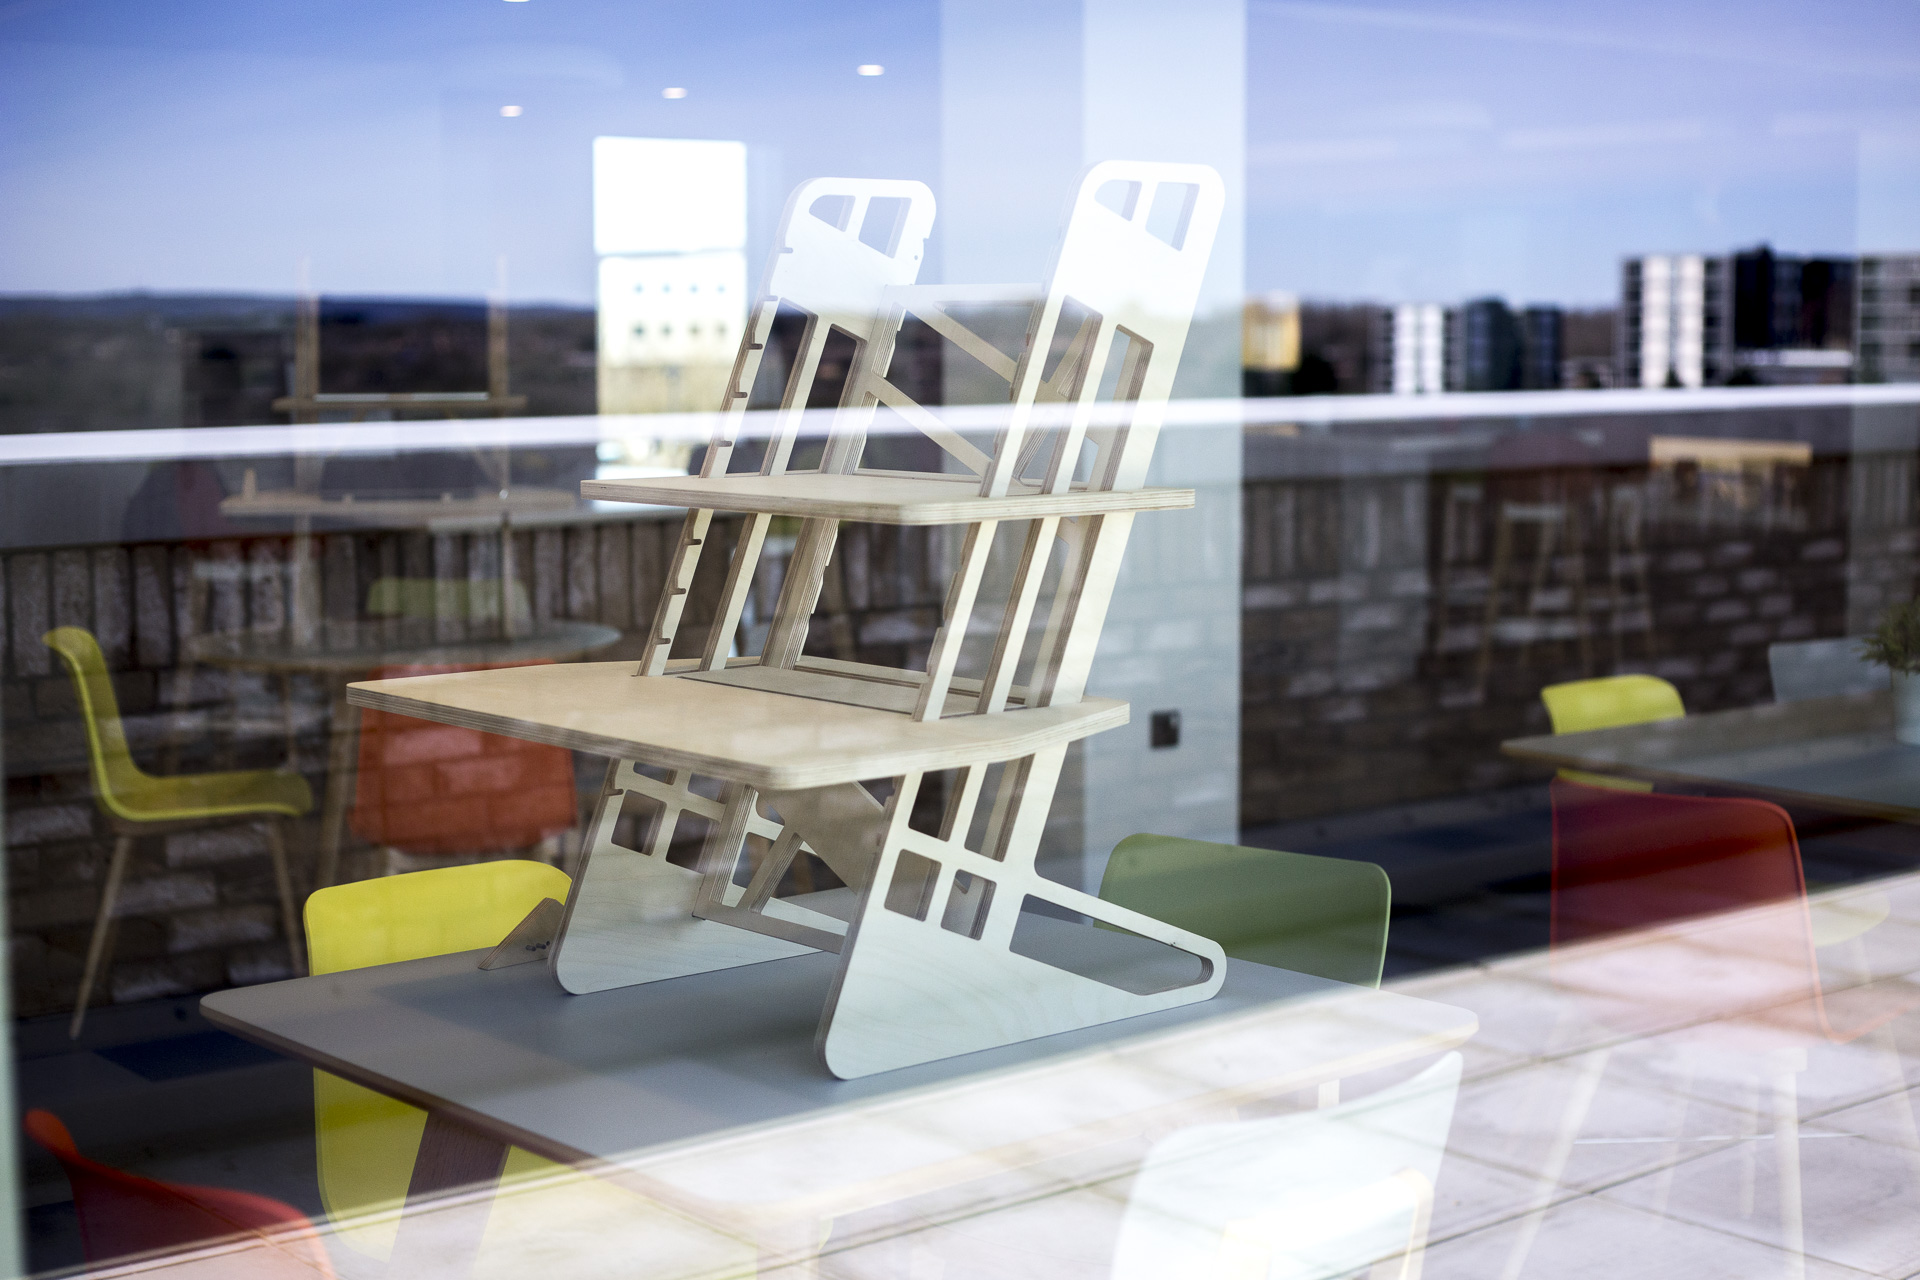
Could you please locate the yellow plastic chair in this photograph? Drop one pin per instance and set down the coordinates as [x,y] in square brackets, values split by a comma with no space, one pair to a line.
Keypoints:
[1608,703]
[136,803]
[367,1141]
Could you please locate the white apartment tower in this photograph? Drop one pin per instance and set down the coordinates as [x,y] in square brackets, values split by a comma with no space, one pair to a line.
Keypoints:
[1417,348]
[1667,304]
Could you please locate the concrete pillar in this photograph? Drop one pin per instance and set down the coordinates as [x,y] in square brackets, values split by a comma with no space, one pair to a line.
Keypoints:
[1032,93]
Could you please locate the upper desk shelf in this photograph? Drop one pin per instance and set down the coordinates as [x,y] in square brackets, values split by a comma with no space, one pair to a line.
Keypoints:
[876,497]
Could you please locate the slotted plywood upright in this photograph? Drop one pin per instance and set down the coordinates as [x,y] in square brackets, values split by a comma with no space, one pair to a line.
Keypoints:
[929,962]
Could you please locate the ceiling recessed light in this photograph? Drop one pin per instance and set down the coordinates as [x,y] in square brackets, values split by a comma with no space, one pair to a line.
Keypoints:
[871,69]
[510,111]
[673,93]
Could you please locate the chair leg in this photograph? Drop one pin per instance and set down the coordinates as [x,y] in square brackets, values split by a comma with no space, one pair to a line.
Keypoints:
[102,930]
[1592,1068]
[1502,555]
[1786,1141]
[1577,553]
[289,918]
[1542,563]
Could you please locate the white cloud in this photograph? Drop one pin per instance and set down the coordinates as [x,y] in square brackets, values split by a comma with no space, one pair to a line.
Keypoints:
[1588,137]
[1324,151]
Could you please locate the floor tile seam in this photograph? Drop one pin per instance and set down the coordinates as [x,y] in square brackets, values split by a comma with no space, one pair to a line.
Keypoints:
[1866,1100]
[1683,1219]
[1672,1166]
[935,1222]
[1488,1162]
[1810,1116]
[1505,1220]
[1713,1229]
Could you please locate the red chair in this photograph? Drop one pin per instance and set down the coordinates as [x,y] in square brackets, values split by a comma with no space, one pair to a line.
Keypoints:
[440,790]
[1725,873]
[122,1213]
[1712,939]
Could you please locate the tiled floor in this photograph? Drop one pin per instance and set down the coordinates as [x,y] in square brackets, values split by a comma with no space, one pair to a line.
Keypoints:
[1591,1136]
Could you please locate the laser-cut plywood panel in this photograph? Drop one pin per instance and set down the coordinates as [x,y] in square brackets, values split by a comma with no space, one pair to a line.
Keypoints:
[932,960]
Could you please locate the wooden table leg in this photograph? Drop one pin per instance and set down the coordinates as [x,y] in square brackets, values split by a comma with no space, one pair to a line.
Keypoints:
[342,745]
[453,1158]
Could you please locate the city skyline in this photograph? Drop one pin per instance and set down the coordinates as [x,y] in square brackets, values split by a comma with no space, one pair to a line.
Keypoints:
[1486,149]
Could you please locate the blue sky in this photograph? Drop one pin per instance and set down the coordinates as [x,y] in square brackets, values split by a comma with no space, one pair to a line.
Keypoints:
[1395,151]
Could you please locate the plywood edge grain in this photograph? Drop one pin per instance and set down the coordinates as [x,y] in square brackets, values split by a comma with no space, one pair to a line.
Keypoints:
[888,743]
[874,499]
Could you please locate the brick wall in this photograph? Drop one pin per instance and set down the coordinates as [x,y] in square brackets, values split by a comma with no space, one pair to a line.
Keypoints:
[1366,611]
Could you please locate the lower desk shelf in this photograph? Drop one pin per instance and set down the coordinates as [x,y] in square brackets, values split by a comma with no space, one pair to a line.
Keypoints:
[773,741]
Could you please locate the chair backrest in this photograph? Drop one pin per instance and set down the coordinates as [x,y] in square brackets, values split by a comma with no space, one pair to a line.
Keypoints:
[1631,860]
[1311,1196]
[1822,669]
[428,788]
[121,1213]
[1704,902]
[366,1142]
[1610,701]
[115,775]
[424,913]
[1323,916]
[424,598]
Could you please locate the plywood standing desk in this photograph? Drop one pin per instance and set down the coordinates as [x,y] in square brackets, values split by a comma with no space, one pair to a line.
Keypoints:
[1830,753]
[704,1092]
[928,968]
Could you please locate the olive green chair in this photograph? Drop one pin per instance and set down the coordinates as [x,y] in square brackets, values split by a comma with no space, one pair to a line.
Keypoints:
[1323,916]
[136,803]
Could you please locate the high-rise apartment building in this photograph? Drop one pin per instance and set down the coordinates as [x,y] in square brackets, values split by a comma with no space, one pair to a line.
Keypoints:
[1756,316]
[1788,318]
[1665,300]
[1484,347]
[1420,348]
[1888,316]
[1410,349]
[1542,348]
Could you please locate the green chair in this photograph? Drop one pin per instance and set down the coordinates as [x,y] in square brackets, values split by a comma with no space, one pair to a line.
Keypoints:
[1608,703]
[429,598]
[1323,916]
[136,803]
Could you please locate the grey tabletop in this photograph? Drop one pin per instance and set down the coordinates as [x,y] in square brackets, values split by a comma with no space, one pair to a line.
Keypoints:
[708,1086]
[1837,753]
[354,647]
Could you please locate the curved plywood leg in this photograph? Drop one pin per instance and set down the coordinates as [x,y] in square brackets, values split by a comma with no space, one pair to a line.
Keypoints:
[932,967]
[911,991]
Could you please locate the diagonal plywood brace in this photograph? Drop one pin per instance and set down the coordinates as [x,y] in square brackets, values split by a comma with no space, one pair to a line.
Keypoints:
[531,939]
[631,915]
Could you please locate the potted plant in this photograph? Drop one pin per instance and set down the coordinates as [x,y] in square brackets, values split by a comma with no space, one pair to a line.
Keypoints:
[1896,646]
